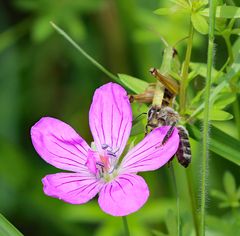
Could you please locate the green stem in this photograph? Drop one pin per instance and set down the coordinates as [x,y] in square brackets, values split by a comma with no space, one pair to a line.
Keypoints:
[125,225]
[236,112]
[193,201]
[183,84]
[182,101]
[206,125]
[177,199]
[85,54]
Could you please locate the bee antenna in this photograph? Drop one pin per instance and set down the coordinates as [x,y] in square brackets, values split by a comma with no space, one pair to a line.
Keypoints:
[144,113]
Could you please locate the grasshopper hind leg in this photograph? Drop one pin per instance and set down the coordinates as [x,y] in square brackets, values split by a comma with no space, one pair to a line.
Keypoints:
[183,153]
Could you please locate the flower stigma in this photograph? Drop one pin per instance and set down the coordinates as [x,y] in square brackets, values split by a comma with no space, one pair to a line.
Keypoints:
[103,165]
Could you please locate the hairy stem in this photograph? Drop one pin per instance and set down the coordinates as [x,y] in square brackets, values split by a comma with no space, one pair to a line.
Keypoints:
[85,54]
[182,106]
[183,84]
[177,199]
[206,125]
[125,225]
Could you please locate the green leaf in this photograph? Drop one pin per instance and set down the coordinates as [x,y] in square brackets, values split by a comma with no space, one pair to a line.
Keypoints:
[132,83]
[138,128]
[218,194]
[41,29]
[216,114]
[181,3]
[229,183]
[201,69]
[221,143]
[75,27]
[27,5]
[169,11]
[7,229]
[225,145]
[171,222]
[227,224]
[224,99]
[199,23]
[236,31]
[224,12]
[164,11]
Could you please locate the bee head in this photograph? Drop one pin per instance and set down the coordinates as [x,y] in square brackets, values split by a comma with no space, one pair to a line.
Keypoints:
[153,114]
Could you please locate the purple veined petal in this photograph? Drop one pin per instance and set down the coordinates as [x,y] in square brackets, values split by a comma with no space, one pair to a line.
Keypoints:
[110,118]
[74,188]
[59,145]
[124,195]
[149,154]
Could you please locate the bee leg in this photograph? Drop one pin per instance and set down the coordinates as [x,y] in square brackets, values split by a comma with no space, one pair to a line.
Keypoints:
[146,130]
[169,133]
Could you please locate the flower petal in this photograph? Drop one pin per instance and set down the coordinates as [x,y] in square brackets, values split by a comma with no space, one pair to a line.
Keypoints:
[124,195]
[149,154]
[110,118]
[74,188]
[59,145]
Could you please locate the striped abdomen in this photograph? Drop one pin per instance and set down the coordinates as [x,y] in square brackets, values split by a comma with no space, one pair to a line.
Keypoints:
[184,150]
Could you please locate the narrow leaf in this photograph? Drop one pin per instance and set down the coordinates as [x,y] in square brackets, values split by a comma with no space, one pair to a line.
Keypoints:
[219,195]
[132,83]
[217,114]
[7,229]
[229,183]
[199,23]
[224,99]
[221,143]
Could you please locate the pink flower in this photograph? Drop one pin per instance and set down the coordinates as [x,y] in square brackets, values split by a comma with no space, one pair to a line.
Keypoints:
[99,171]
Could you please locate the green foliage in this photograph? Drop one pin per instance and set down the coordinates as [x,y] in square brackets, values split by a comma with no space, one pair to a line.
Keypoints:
[221,143]
[51,79]
[65,13]
[138,222]
[231,195]
[199,23]
[132,83]
[230,12]
[225,225]
[7,229]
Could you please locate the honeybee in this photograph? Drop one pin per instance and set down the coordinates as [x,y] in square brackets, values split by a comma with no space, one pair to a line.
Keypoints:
[165,115]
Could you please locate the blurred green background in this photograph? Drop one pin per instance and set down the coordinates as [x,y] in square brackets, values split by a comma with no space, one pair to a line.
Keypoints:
[42,75]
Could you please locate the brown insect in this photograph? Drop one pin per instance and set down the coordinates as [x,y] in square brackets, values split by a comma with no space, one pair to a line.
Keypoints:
[165,115]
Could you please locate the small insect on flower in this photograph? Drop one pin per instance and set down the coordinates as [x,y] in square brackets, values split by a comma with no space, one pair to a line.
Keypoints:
[164,114]
[99,171]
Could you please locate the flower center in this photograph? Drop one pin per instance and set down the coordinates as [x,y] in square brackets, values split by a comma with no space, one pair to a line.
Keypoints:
[103,165]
